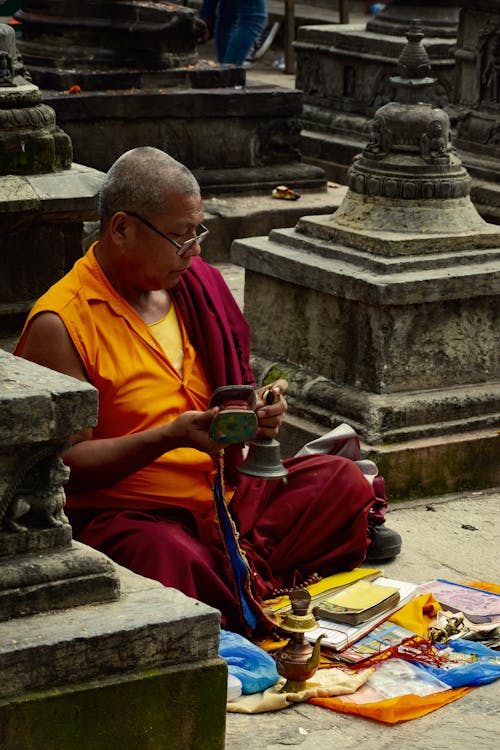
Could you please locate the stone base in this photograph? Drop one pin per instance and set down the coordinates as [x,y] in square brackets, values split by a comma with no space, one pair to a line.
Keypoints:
[231,217]
[180,708]
[142,671]
[41,219]
[39,582]
[418,468]
[247,128]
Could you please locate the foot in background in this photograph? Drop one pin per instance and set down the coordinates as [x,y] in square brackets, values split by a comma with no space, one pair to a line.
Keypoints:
[263,41]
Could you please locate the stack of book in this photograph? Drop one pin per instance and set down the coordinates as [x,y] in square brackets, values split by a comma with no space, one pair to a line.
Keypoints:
[350,605]
[344,619]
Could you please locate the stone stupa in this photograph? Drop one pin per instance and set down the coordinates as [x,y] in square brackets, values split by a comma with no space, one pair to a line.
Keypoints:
[389,309]
[345,72]
[44,196]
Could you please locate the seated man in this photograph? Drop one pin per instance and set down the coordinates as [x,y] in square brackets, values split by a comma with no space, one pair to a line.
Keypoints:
[155,329]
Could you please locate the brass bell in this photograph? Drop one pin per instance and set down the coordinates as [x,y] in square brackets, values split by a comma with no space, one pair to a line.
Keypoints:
[263,460]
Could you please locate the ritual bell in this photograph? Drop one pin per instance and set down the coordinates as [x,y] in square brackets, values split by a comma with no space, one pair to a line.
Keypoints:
[263,460]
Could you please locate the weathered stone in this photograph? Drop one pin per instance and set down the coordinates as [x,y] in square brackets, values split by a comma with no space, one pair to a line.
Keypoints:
[477,97]
[41,570]
[67,636]
[108,46]
[30,141]
[393,302]
[112,91]
[345,73]
[39,405]
[181,707]
[33,583]
[44,197]
[145,667]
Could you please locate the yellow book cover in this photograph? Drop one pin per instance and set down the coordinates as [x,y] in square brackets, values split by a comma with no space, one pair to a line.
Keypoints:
[360,595]
[358,602]
[322,589]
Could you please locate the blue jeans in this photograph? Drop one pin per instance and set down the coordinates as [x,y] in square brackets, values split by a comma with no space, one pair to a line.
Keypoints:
[237,26]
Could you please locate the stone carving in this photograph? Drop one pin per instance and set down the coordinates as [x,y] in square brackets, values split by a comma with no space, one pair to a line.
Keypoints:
[434,144]
[488,65]
[30,140]
[409,154]
[6,69]
[36,489]
[380,139]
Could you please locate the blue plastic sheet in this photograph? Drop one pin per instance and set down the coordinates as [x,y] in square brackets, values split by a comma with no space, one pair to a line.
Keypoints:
[255,668]
[480,665]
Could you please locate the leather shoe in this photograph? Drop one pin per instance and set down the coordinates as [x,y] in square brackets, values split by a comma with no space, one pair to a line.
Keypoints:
[384,543]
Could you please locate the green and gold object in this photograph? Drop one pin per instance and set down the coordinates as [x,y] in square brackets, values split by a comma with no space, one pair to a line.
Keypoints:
[236,420]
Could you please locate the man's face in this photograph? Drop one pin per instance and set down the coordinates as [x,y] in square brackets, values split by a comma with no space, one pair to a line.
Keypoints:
[154,260]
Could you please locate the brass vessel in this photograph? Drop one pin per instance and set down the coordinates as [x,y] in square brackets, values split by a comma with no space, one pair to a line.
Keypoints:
[298,660]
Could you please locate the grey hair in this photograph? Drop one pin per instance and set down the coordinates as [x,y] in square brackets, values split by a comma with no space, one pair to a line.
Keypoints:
[140,180]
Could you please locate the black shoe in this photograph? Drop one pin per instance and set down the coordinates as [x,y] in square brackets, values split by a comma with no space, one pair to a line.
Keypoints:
[263,41]
[384,543]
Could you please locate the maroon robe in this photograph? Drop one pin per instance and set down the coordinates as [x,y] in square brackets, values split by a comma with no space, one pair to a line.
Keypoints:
[315,523]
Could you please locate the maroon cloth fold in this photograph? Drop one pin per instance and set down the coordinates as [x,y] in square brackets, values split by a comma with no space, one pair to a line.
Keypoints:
[317,522]
[215,325]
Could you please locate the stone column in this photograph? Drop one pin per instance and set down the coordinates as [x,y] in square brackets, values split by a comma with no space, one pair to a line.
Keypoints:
[386,314]
[44,196]
[91,655]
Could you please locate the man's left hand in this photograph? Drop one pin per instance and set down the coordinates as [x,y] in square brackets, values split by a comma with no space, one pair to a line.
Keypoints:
[271,408]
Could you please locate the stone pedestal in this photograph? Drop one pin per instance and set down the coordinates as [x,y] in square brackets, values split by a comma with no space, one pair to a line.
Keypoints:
[142,671]
[386,315]
[122,74]
[90,655]
[41,221]
[44,196]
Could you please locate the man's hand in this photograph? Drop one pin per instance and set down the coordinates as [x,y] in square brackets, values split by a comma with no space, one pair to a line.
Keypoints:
[271,408]
[190,429]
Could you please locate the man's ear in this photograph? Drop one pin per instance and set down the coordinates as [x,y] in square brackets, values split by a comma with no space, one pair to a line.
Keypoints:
[120,227]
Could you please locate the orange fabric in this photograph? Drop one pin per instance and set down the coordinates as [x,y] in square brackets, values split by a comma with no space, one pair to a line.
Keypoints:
[394,709]
[130,370]
[417,614]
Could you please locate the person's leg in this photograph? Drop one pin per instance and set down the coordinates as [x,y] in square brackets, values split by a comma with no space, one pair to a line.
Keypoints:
[207,13]
[238,24]
[316,522]
[165,547]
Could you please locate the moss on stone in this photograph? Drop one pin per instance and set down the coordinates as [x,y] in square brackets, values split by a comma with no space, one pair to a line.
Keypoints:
[179,708]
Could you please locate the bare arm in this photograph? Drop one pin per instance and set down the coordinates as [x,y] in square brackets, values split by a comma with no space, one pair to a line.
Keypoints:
[96,463]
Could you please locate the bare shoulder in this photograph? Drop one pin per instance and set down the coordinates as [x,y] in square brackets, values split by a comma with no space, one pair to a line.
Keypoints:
[48,343]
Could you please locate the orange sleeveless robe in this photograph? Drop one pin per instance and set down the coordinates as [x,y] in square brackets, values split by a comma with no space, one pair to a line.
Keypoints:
[138,389]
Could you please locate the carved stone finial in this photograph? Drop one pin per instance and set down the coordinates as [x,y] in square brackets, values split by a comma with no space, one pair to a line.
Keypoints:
[30,140]
[414,62]
[409,156]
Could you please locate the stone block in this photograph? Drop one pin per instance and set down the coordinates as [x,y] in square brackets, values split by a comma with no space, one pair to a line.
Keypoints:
[142,671]
[179,707]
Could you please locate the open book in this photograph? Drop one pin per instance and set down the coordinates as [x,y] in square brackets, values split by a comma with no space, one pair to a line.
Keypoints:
[477,605]
[382,637]
[339,635]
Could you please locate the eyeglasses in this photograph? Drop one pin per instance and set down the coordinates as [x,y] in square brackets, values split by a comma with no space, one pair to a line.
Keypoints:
[181,247]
